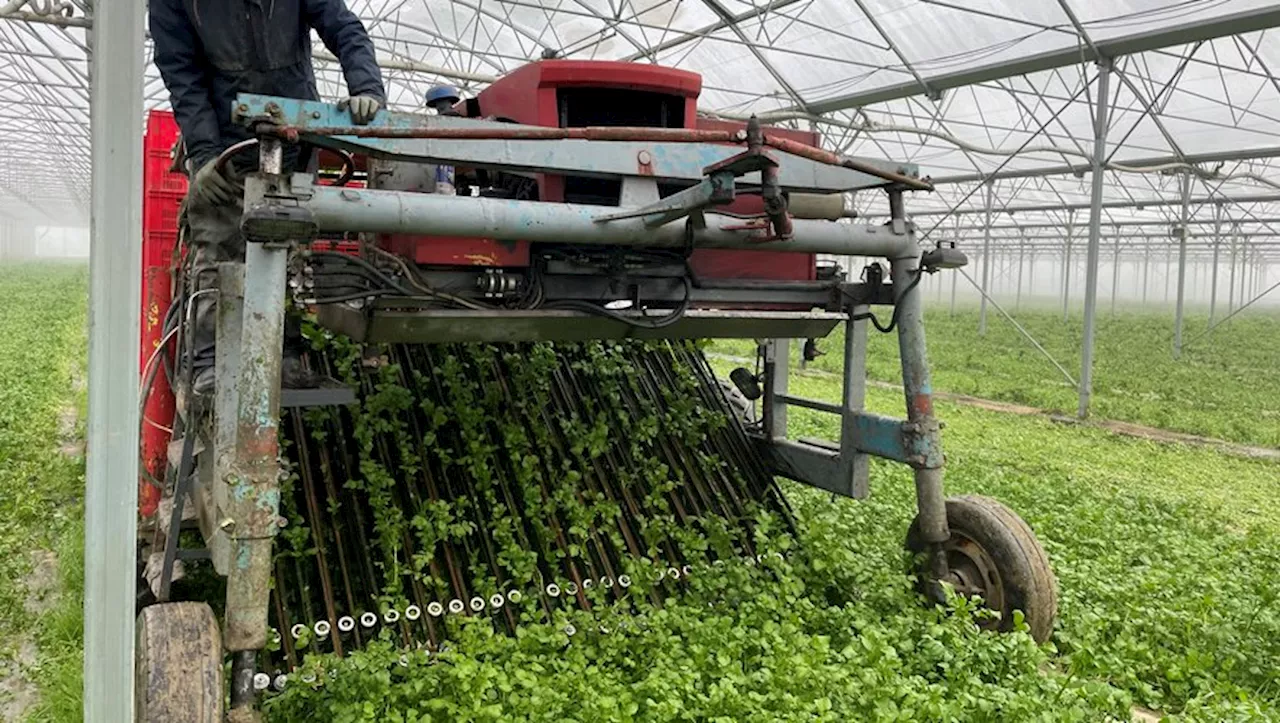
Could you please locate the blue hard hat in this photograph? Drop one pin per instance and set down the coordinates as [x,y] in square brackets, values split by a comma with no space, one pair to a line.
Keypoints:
[442,92]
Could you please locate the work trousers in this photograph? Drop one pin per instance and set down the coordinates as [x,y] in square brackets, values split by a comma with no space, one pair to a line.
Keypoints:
[215,239]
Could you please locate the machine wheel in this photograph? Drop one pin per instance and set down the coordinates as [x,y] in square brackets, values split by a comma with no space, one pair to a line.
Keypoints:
[178,668]
[994,554]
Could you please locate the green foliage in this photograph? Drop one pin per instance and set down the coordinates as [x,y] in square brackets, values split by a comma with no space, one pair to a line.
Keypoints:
[1224,386]
[746,642]
[42,343]
[1166,556]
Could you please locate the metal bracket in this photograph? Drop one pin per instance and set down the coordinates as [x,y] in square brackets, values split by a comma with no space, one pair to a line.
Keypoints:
[714,190]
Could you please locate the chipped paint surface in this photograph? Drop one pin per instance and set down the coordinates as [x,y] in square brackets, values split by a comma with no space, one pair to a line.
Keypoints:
[269,500]
[481,259]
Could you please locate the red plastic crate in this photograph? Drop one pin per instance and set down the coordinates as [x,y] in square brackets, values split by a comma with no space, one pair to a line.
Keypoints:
[162,198]
[160,211]
[156,175]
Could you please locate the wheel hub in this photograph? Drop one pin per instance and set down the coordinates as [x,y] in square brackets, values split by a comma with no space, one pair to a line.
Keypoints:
[972,571]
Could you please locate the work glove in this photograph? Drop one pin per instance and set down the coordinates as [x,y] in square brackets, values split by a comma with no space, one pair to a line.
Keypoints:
[211,187]
[363,108]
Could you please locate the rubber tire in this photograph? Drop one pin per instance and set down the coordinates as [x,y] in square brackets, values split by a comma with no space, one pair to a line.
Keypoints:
[1025,574]
[178,665]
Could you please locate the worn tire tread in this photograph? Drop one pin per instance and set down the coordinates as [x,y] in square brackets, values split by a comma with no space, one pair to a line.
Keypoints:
[1028,579]
[178,667]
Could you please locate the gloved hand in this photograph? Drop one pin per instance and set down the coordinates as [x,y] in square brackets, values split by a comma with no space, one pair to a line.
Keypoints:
[363,108]
[213,188]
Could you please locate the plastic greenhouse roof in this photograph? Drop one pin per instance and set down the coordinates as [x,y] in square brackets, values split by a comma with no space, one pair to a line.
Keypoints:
[964,88]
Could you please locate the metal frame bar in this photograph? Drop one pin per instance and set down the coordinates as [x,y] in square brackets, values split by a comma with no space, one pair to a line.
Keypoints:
[115,287]
[1255,19]
[1095,232]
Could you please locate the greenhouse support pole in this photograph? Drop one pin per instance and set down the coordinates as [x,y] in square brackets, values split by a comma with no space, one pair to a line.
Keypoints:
[1182,265]
[1022,251]
[1095,239]
[1066,265]
[115,285]
[1244,268]
[986,262]
[1146,274]
[953,293]
[1167,277]
[1217,244]
[1231,277]
[1115,272]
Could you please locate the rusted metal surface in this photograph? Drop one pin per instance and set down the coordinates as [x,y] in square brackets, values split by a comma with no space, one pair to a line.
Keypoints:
[253,480]
[598,133]
[921,431]
[819,155]
[398,212]
[515,133]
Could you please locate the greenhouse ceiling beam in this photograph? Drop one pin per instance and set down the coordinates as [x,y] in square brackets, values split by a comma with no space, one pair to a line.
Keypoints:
[1244,21]
[1138,204]
[1244,154]
[1107,60]
[706,30]
[406,65]
[725,16]
[1123,224]
[1149,238]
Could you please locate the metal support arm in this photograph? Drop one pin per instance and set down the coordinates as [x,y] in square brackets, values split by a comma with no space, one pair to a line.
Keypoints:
[425,214]
[668,154]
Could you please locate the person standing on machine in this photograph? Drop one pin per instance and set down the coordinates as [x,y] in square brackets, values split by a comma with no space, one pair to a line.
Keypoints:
[207,51]
[442,99]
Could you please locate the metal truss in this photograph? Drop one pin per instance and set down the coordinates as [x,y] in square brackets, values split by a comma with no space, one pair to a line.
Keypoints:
[1006,98]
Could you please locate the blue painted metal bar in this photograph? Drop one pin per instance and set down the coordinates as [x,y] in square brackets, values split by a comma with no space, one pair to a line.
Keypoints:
[662,160]
[253,479]
[921,432]
[427,214]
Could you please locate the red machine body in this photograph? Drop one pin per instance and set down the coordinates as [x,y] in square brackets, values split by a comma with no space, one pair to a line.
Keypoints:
[556,93]
[580,93]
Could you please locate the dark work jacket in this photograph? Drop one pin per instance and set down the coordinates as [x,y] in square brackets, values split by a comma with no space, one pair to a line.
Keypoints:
[207,51]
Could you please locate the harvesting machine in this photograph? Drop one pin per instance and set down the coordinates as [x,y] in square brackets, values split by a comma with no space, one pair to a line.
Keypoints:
[600,225]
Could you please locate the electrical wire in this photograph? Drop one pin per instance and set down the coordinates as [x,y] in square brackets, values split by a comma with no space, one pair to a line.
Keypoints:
[412,278]
[897,306]
[638,322]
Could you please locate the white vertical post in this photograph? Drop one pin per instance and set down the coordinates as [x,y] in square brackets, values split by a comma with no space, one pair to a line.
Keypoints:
[1182,265]
[1168,275]
[953,292]
[1095,238]
[986,261]
[1231,277]
[1066,265]
[1115,271]
[115,287]
[1217,245]
[1022,251]
[1146,273]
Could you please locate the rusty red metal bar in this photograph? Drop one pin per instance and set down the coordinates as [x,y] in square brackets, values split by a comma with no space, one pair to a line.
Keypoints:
[818,155]
[517,133]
